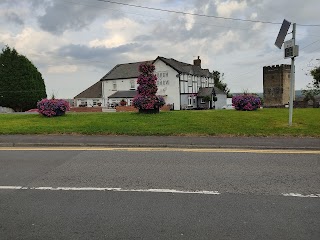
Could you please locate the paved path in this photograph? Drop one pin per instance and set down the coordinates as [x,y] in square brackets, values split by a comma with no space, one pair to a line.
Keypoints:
[161,141]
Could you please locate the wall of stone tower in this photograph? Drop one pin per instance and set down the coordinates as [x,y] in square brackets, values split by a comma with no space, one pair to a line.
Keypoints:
[276,85]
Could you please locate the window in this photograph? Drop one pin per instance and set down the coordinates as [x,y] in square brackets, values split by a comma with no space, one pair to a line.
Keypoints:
[202,100]
[132,86]
[189,80]
[114,86]
[189,101]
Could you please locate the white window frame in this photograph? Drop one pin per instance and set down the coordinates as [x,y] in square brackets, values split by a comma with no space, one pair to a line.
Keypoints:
[132,84]
[114,86]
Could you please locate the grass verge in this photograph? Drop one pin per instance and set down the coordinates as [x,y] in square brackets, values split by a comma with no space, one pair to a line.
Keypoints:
[264,122]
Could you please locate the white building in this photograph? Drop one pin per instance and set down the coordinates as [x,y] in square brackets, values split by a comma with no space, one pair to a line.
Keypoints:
[90,97]
[183,85]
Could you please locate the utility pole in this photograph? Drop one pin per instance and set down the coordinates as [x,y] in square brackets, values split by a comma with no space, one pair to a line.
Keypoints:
[291,50]
[292,76]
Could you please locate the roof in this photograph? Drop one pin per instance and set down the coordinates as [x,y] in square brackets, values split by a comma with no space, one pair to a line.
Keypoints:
[186,68]
[205,91]
[131,70]
[95,91]
[124,94]
[219,91]
[124,71]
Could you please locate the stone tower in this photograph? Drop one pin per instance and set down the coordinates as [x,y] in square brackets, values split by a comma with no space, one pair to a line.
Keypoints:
[276,85]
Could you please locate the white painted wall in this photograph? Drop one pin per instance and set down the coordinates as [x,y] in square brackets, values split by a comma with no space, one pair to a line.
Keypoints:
[221,101]
[112,86]
[168,83]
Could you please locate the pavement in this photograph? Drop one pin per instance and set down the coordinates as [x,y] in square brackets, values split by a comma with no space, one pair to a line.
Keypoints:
[159,141]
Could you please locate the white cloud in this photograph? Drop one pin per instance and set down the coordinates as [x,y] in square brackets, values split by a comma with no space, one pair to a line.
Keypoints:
[113,41]
[190,20]
[224,40]
[257,26]
[254,16]
[31,42]
[227,8]
[62,69]
[119,32]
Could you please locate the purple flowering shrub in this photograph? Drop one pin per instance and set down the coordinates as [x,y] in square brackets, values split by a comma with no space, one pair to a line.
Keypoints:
[246,102]
[53,107]
[147,89]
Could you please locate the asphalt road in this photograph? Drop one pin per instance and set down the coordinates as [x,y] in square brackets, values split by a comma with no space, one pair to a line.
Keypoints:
[162,194]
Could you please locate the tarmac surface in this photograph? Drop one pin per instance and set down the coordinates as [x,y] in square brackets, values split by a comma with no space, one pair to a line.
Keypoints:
[159,141]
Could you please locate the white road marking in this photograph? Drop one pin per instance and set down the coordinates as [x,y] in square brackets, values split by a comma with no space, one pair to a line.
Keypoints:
[200,150]
[152,190]
[301,195]
[108,189]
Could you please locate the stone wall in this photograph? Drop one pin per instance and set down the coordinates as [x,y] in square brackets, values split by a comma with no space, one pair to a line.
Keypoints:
[276,85]
[86,109]
[133,109]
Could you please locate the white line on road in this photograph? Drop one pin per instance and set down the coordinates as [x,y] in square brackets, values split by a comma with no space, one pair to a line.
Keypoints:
[139,190]
[108,189]
[301,195]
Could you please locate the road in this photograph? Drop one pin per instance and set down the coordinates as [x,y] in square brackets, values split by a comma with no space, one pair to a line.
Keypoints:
[145,193]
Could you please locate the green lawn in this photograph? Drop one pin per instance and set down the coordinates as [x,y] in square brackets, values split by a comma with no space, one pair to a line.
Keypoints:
[264,122]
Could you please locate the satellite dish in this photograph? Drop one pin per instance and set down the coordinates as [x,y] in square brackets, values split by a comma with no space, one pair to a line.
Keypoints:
[282,33]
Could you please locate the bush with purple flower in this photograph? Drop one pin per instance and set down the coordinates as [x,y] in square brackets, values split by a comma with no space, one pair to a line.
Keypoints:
[146,99]
[53,107]
[246,102]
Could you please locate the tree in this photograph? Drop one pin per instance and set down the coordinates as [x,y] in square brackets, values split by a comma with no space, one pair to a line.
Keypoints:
[21,85]
[218,82]
[316,77]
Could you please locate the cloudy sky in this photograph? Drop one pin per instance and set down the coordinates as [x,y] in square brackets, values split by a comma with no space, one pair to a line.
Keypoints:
[74,43]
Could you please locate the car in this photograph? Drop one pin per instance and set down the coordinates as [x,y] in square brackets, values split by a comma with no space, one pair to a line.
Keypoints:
[228,106]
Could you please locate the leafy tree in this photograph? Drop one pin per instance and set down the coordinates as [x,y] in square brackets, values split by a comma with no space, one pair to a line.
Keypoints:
[310,92]
[218,82]
[21,85]
[316,77]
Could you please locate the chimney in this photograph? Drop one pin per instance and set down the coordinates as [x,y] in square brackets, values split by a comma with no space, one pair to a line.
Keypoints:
[197,62]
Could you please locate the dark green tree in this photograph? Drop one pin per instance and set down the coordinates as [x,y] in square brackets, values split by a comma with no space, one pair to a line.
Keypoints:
[316,77]
[21,84]
[218,82]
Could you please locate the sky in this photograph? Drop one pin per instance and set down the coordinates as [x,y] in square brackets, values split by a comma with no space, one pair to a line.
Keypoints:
[74,43]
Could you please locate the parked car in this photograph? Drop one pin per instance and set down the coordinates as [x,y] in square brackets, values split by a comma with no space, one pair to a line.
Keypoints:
[228,106]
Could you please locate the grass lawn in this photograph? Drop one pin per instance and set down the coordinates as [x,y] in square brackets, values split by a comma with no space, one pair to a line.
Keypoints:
[263,122]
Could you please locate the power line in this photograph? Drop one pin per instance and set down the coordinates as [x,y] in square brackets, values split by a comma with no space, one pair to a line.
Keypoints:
[254,71]
[202,15]
[195,23]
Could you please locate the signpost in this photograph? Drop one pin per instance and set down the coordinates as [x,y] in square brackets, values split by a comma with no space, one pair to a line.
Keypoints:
[291,50]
